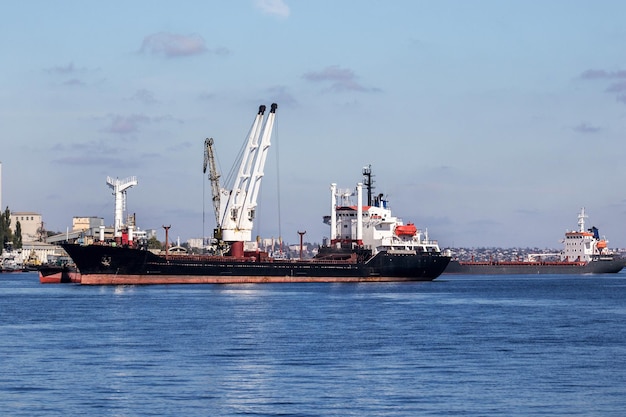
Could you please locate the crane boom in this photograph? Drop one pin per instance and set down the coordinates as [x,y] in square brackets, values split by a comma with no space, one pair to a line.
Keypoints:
[233,198]
[238,204]
[250,203]
[214,177]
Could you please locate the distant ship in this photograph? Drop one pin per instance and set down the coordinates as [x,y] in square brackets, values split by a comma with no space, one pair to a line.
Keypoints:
[367,243]
[584,252]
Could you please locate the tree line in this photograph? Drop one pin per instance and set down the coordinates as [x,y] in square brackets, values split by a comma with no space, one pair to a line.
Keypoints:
[9,239]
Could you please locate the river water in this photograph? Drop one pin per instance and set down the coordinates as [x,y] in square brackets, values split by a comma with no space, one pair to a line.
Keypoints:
[461,345]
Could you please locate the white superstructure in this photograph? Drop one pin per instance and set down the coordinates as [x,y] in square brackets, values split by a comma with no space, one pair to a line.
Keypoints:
[373,226]
[584,245]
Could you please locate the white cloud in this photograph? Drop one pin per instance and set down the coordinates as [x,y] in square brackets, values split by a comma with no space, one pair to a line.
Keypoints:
[144,96]
[172,45]
[340,79]
[273,7]
[586,128]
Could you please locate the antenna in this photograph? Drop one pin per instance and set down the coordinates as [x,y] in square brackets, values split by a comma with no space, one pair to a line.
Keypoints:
[581,220]
[368,182]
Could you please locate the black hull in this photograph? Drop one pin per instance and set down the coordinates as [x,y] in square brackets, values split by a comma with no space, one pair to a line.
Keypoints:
[600,266]
[101,265]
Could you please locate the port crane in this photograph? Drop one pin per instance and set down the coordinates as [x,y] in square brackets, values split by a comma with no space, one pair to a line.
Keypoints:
[235,207]
[119,191]
[214,176]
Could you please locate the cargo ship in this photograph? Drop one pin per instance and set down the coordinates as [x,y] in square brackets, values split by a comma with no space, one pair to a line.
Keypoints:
[367,242]
[584,252]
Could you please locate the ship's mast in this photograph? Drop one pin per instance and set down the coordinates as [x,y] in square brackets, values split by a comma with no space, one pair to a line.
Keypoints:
[333,213]
[359,214]
[368,182]
[581,220]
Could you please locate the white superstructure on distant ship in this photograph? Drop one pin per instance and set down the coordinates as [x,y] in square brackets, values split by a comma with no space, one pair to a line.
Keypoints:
[584,245]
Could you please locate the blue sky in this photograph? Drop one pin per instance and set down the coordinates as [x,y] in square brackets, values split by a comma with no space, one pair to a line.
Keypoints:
[491,123]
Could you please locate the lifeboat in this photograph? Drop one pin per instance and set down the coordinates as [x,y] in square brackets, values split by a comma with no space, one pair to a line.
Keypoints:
[406,230]
[601,244]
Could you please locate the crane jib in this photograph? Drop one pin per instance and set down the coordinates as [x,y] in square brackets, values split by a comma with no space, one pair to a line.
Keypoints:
[235,208]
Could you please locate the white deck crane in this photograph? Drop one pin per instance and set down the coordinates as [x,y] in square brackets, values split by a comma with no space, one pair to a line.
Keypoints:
[119,191]
[236,207]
